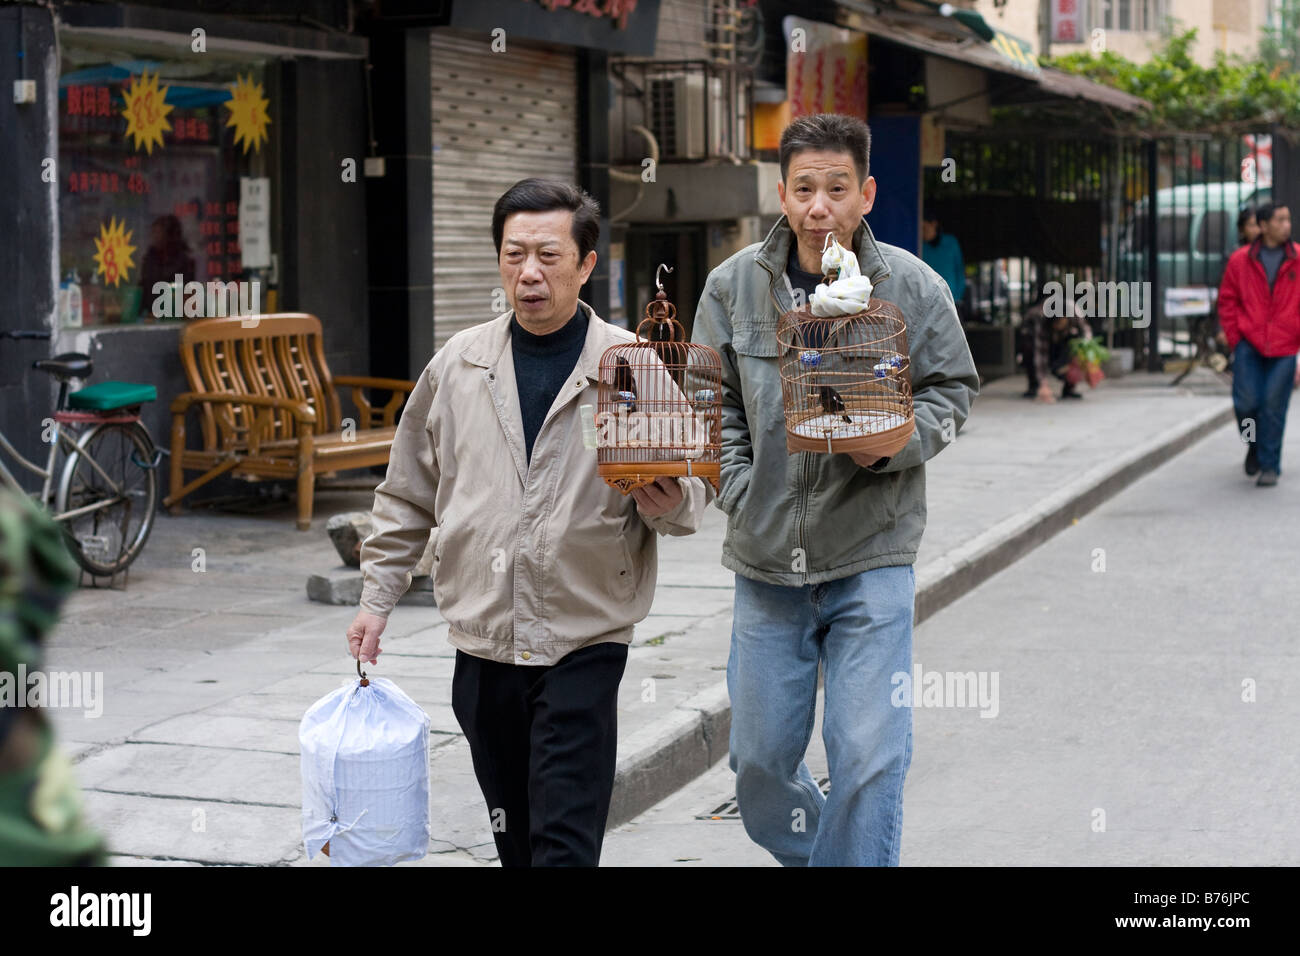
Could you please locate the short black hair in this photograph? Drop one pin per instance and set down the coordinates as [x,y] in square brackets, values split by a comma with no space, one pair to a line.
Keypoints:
[543,195]
[1264,211]
[833,132]
[928,214]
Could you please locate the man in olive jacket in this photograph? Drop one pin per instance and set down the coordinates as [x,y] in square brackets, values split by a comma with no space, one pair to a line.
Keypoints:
[823,545]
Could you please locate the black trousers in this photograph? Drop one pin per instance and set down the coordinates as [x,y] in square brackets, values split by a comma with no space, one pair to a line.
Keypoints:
[544,741]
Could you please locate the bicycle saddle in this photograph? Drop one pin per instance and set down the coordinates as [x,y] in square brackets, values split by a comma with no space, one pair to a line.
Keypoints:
[66,365]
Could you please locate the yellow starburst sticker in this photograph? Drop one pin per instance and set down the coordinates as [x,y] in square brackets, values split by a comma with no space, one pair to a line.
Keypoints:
[146,111]
[113,252]
[248,113]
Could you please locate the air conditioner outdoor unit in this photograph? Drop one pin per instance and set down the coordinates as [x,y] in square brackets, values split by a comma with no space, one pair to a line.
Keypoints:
[677,109]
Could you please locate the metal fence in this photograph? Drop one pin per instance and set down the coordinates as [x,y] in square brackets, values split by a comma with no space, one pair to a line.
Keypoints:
[1030,210]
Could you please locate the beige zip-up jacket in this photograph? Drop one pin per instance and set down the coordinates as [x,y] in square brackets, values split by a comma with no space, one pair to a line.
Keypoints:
[532,560]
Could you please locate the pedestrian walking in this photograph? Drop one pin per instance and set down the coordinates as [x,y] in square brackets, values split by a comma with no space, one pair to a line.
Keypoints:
[1247,226]
[541,569]
[1259,312]
[1247,232]
[823,544]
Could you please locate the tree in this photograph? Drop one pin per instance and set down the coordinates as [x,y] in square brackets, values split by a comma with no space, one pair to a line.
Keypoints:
[1233,95]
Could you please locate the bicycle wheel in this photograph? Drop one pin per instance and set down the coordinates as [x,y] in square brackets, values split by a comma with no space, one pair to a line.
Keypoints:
[106,539]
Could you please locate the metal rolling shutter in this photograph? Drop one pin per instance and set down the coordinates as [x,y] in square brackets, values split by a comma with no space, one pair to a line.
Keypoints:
[497,118]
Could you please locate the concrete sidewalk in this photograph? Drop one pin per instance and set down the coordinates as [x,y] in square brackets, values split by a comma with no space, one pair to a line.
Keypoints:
[207,672]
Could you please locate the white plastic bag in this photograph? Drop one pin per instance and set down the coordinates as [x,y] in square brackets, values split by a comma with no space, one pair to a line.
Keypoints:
[365,775]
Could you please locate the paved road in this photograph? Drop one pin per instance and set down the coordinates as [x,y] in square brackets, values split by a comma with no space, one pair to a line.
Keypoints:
[1120,693]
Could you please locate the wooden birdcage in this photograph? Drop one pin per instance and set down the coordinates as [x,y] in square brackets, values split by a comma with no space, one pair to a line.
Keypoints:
[659,411]
[846,381]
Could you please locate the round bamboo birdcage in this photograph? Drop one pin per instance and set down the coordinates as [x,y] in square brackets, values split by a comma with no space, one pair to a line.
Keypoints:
[846,381]
[659,411]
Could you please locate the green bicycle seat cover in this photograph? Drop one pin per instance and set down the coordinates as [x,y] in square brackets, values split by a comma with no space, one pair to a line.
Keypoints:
[105,396]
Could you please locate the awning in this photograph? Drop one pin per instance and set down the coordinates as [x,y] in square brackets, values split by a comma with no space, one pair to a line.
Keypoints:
[937,35]
[1072,86]
[224,34]
[1005,54]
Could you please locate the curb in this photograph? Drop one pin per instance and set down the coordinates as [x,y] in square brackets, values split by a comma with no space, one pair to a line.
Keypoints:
[967,566]
[658,760]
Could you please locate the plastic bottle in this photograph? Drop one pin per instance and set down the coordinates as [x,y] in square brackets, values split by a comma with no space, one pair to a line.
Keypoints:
[72,301]
[92,298]
[61,303]
[587,414]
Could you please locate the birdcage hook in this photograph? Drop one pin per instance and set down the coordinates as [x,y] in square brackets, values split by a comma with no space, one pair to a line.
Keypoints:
[659,282]
[826,243]
[660,311]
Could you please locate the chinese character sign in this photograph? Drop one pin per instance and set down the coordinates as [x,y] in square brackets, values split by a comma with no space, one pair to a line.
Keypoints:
[146,111]
[1257,164]
[1067,21]
[826,69]
[248,113]
[616,10]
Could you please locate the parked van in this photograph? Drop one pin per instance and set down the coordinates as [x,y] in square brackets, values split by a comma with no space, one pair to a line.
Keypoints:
[1196,230]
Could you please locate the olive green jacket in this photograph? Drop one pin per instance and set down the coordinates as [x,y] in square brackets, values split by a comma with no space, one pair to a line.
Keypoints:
[809,517]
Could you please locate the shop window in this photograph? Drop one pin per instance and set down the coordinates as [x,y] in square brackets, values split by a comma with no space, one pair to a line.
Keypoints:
[165,185]
[1128,15]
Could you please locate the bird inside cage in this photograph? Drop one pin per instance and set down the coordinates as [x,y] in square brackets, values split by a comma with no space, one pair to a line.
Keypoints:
[624,384]
[846,380]
[659,409]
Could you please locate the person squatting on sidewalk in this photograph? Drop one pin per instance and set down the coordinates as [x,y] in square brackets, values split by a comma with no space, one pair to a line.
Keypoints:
[1259,314]
[1046,348]
[540,568]
[823,545]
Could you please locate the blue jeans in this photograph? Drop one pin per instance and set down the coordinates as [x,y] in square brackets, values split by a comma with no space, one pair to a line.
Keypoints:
[1261,389]
[860,629]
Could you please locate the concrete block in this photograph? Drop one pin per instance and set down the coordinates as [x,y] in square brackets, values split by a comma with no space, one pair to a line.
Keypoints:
[343,586]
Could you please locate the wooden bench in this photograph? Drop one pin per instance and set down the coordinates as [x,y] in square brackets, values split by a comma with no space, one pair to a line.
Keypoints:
[268,407]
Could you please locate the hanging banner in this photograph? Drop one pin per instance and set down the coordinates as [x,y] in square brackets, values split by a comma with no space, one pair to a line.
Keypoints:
[1257,164]
[826,69]
[1067,21]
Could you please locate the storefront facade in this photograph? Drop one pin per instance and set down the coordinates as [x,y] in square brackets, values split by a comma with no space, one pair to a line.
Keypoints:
[176,165]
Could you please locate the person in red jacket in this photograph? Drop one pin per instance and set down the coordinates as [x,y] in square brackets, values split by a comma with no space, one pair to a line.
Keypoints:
[1259,312]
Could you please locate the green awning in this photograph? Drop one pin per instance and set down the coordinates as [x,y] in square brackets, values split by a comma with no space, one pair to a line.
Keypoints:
[1016,50]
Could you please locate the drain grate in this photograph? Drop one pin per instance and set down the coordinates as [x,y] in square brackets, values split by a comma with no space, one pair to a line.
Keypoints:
[729,810]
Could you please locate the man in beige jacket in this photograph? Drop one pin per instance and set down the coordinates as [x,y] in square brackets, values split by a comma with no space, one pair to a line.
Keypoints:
[540,568]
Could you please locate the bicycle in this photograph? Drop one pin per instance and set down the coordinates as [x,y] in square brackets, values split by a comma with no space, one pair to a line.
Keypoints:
[106,495]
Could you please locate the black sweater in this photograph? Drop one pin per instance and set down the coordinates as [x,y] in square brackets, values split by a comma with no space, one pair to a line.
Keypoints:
[542,366]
